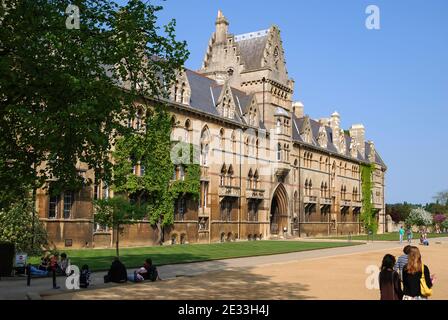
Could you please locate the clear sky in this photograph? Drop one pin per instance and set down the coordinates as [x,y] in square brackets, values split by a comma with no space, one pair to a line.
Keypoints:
[393,80]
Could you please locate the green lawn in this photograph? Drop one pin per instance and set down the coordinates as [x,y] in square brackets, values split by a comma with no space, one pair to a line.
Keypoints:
[100,259]
[392,236]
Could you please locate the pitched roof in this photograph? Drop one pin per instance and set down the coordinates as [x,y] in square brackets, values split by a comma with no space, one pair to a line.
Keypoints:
[251,49]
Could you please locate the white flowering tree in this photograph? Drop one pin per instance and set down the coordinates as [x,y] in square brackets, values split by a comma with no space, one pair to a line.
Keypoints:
[419,217]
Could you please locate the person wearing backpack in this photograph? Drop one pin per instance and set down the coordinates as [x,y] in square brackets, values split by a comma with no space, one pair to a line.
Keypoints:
[389,279]
[417,280]
[84,277]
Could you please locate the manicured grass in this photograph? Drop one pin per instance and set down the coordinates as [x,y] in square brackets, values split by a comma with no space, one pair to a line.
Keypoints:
[100,259]
[392,236]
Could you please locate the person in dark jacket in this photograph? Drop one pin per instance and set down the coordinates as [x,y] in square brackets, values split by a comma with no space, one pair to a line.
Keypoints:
[117,272]
[390,283]
[412,273]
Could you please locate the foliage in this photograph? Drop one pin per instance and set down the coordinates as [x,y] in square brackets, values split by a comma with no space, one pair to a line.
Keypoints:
[16,226]
[153,190]
[442,198]
[419,217]
[444,224]
[399,211]
[439,218]
[115,212]
[66,93]
[367,212]
[436,208]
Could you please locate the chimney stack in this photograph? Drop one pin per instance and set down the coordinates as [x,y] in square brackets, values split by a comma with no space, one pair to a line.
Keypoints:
[357,132]
[221,28]
[298,109]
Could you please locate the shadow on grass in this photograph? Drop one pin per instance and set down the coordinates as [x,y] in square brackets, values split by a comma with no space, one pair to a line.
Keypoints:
[224,285]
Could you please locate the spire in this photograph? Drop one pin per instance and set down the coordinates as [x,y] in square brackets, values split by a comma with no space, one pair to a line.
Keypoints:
[221,28]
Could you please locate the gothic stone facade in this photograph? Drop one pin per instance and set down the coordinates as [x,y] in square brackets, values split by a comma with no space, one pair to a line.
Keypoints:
[267,169]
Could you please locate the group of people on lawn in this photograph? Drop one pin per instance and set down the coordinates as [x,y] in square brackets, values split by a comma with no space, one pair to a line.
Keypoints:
[52,264]
[406,278]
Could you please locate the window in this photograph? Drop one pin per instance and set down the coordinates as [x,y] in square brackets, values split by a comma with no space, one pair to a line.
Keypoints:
[181,208]
[105,191]
[249,179]
[279,152]
[279,126]
[256,177]
[253,210]
[222,181]
[68,202]
[204,193]
[222,138]
[226,210]
[53,207]
[230,176]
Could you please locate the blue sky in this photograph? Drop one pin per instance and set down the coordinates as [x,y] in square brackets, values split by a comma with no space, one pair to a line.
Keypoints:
[393,80]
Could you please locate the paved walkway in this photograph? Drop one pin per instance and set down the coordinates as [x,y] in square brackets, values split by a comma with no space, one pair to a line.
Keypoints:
[17,289]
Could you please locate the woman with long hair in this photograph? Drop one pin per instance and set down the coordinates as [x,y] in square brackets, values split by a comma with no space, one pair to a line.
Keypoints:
[413,273]
[390,283]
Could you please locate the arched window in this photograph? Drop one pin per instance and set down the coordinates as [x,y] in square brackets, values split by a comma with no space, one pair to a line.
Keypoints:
[187,130]
[296,204]
[222,177]
[279,126]
[205,141]
[279,152]
[306,187]
[222,138]
[233,142]
[249,179]
[256,177]
[230,176]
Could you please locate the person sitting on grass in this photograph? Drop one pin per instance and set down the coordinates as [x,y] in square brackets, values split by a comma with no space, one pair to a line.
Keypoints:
[117,272]
[147,272]
[84,277]
[63,264]
[38,272]
[44,263]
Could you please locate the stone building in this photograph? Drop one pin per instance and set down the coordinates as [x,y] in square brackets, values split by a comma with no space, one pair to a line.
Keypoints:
[267,169]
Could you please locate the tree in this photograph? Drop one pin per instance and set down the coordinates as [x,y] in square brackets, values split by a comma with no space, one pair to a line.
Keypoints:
[116,212]
[419,217]
[65,94]
[399,211]
[442,198]
[16,226]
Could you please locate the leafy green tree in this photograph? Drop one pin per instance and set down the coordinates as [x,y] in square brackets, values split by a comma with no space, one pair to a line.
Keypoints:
[18,226]
[115,213]
[419,217]
[65,94]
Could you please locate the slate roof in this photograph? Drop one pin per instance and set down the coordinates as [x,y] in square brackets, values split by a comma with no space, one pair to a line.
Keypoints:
[251,51]
[298,128]
[205,94]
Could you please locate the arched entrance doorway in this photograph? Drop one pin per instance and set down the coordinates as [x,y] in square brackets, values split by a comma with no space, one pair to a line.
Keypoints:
[279,210]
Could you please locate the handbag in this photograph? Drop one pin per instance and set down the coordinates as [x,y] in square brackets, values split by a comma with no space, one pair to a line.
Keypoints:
[424,290]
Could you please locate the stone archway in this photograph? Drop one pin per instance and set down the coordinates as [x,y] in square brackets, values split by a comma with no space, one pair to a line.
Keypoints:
[279,210]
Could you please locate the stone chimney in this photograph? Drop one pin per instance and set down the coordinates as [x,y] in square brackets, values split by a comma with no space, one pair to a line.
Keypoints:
[372,156]
[357,132]
[298,109]
[335,122]
[221,28]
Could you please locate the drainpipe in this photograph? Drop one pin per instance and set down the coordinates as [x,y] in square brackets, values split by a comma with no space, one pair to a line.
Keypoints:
[239,198]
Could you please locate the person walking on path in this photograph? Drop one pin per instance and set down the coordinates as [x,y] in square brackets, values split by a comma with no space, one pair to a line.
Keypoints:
[390,284]
[401,233]
[402,261]
[409,235]
[416,277]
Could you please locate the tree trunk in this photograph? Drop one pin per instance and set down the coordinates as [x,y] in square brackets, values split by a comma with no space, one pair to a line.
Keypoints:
[34,217]
[159,232]
[117,242]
